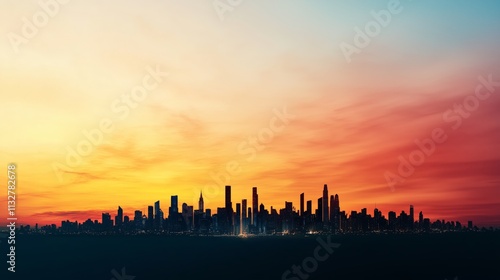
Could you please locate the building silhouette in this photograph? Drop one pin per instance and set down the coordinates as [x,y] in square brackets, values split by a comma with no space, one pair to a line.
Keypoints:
[244,217]
[201,205]
[325,206]
[119,217]
[255,205]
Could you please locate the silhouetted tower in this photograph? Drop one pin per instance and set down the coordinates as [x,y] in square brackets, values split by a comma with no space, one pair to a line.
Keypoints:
[302,204]
[261,219]
[158,215]
[107,223]
[412,217]
[238,222]
[229,204]
[229,212]
[332,209]
[174,206]
[138,219]
[119,217]
[319,211]
[325,205]
[150,217]
[201,205]
[309,207]
[244,215]
[420,219]
[377,216]
[392,220]
[255,205]
[250,214]
[336,212]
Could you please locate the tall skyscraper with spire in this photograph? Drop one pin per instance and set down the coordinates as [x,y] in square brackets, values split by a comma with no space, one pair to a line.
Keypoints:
[325,213]
[201,205]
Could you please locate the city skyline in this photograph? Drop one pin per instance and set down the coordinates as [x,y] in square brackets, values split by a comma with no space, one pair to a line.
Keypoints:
[223,139]
[240,223]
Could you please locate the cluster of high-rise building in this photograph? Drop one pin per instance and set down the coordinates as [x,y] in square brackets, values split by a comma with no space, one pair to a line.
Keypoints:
[255,219]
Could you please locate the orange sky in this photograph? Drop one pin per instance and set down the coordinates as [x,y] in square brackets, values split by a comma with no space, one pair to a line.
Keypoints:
[226,79]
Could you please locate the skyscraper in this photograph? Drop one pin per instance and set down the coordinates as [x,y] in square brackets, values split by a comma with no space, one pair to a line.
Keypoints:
[158,215]
[238,220]
[149,223]
[174,206]
[229,203]
[420,219]
[255,205]
[302,204]
[336,212]
[138,219]
[107,223]
[392,220]
[244,208]
[119,217]
[319,211]
[325,205]
[244,215]
[201,204]
[309,207]
[187,215]
[229,210]
[412,217]
[157,209]
[332,211]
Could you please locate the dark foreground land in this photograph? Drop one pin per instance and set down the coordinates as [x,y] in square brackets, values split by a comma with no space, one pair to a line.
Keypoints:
[431,256]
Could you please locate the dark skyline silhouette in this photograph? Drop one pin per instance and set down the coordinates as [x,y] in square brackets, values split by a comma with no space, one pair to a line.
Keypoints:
[328,217]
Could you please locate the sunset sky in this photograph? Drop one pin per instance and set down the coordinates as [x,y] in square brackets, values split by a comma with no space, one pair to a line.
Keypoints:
[228,76]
